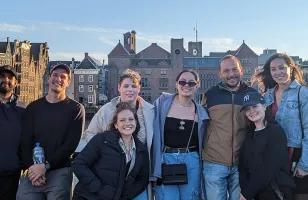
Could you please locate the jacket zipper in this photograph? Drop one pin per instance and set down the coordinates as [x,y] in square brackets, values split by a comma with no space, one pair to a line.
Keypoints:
[232,132]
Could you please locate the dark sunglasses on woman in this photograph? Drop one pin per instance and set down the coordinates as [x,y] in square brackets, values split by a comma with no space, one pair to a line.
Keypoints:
[189,83]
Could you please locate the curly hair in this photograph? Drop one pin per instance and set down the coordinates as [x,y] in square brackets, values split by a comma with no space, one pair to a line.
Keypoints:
[133,75]
[121,106]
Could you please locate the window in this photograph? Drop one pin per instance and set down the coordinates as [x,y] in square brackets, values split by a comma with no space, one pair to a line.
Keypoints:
[145,82]
[90,98]
[90,78]
[148,71]
[90,88]
[163,82]
[163,71]
[81,78]
[146,96]
[81,89]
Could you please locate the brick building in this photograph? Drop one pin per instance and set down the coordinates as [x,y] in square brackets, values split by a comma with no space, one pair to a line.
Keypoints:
[30,61]
[159,67]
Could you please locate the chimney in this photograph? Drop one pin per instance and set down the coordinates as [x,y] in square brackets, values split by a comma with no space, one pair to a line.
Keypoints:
[86,55]
[73,62]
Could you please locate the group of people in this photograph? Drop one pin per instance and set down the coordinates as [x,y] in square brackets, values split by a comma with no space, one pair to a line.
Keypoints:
[237,143]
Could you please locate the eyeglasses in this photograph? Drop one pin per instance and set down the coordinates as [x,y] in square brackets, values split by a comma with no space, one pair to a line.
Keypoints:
[189,83]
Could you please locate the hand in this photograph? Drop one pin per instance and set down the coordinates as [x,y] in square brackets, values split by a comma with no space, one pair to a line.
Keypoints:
[300,173]
[36,171]
[242,197]
[39,182]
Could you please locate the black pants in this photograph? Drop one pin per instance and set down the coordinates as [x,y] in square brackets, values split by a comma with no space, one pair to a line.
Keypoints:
[270,194]
[8,186]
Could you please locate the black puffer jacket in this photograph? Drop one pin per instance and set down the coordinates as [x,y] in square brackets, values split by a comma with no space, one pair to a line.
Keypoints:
[101,168]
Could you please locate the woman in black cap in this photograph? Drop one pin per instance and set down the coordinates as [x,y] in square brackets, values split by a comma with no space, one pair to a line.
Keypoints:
[263,161]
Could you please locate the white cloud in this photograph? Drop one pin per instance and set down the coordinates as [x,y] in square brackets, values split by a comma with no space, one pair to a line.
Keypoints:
[12,27]
[108,41]
[76,28]
[219,44]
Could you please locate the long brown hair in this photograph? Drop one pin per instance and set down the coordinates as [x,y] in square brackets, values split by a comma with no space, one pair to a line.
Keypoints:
[265,79]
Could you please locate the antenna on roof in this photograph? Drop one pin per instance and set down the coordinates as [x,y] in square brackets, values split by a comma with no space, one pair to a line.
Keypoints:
[196,31]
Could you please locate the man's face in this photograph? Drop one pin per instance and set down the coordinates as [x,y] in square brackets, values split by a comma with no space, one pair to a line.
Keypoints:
[7,82]
[58,81]
[128,90]
[230,73]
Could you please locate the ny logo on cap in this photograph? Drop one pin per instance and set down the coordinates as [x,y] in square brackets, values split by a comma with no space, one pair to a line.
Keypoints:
[246,98]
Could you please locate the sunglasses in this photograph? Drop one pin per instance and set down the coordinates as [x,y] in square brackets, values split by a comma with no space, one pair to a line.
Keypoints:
[189,83]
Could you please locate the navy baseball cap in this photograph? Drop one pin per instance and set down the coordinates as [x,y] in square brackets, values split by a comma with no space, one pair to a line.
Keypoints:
[251,99]
[61,66]
[8,69]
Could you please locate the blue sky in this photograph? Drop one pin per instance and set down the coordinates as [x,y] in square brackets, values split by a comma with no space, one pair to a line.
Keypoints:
[72,27]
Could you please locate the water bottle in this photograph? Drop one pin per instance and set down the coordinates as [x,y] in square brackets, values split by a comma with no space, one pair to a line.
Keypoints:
[38,154]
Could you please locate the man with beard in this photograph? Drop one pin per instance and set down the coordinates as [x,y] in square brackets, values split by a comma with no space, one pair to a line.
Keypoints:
[10,131]
[56,122]
[225,132]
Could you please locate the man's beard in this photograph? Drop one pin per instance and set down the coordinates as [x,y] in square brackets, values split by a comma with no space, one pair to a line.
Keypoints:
[234,85]
[4,90]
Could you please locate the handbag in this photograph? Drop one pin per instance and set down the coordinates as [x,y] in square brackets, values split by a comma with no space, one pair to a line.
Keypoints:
[176,174]
[301,183]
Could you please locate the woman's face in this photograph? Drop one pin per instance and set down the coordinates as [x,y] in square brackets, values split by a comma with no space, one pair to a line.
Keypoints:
[280,71]
[186,85]
[255,113]
[128,90]
[126,123]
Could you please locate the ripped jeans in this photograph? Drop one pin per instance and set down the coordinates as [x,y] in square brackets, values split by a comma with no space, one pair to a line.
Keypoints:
[190,191]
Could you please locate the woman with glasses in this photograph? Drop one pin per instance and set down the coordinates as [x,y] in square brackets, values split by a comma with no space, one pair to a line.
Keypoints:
[179,128]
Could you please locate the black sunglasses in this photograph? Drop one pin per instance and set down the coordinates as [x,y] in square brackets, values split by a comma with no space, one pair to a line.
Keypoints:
[189,83]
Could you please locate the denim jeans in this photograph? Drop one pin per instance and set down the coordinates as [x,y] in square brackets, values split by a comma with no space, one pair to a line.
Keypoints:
[221,182]
[58,186]
[189,191]
[142,196]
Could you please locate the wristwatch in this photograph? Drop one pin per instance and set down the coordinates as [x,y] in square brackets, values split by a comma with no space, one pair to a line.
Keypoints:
[47,165]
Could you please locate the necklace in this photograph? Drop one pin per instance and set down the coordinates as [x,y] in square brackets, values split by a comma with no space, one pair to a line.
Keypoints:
[182,123]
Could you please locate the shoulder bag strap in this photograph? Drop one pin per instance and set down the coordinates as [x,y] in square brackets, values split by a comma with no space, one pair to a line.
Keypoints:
[192,129]
[300,112]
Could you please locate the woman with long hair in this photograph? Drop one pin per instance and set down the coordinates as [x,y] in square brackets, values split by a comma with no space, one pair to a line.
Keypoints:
[113,165]
[287,98]
[179,128]
[263,164]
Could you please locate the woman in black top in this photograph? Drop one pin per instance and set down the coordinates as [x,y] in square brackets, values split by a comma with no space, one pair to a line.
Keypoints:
[263,163]
[113,165]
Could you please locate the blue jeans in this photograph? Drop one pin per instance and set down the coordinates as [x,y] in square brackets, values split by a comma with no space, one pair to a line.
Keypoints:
[142,196]
[189,191]
[58,186]
[221,182]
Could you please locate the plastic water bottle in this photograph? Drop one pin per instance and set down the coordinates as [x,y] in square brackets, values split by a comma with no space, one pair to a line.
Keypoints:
[38,154]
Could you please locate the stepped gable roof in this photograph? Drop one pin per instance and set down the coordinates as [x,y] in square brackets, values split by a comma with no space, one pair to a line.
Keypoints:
[35,50]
